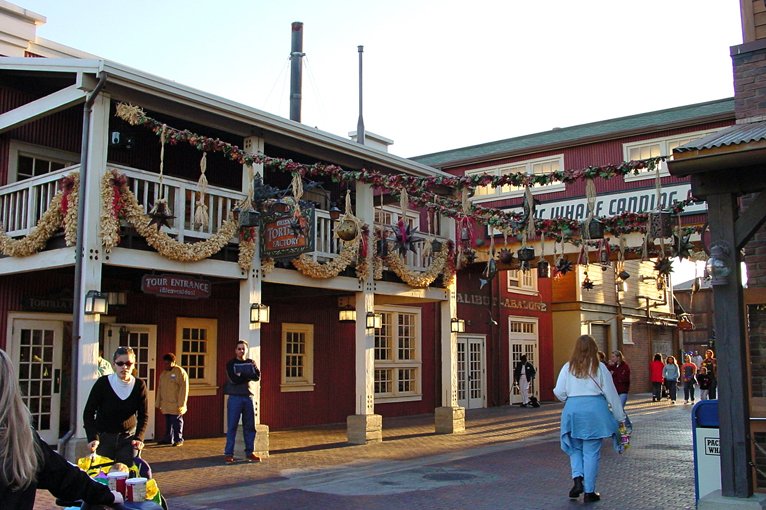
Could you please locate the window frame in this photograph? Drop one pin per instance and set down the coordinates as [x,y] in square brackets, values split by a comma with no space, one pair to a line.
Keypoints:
[206,386]
[527,284]
[664,143]
[18,148]
[394,366]
[486,193]
[295,384]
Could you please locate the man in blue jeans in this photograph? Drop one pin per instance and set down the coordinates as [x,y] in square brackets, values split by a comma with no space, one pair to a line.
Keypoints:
[242,374]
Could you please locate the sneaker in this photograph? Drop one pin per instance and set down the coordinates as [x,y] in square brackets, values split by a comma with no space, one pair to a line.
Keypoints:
[229,459]
[163,442]
[178,443]
[253,458]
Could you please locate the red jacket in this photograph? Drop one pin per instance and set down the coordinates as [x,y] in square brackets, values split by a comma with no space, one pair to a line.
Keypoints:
[655,371]
[621,377]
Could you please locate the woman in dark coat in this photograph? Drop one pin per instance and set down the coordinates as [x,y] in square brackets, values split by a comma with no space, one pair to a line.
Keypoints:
[28,464]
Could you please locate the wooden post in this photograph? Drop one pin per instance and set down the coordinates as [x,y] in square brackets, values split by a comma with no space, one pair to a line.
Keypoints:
[731,349]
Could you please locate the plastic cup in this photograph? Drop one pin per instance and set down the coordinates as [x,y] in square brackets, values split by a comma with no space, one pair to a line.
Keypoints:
[136,488]
[117,481]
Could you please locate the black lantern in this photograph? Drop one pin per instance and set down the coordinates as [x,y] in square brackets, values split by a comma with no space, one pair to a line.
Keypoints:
[526,254]
[347,314]
[249,218]
[259,313]
[334,212]
[595,228]
[96,303]
[457,325]
[374,320]
[543,269]
[661,224]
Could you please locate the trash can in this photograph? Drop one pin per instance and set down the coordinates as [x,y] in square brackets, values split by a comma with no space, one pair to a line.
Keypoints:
[707,456]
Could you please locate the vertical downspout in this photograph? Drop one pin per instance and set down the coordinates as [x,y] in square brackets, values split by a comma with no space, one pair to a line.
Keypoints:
[86,114]
[296,70]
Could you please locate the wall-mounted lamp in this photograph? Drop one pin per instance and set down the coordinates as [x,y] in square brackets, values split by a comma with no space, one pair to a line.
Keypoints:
[347,314]
[96,303]
[259,313]
[117,298]
[718,266]
[457,325]
[373,320]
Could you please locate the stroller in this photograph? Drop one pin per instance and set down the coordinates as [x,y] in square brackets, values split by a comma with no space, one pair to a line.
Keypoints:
[97,466]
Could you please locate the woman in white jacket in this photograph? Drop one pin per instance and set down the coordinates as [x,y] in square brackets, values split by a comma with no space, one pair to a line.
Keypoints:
[587,389]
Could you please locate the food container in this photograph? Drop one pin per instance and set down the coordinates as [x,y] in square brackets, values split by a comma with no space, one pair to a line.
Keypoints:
[117,481]
[136,488]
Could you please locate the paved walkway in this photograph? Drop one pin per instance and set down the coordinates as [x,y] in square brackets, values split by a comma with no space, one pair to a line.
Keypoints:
[508,458]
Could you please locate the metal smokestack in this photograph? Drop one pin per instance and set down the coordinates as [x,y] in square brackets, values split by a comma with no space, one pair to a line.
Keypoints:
[360,122]
[296,70]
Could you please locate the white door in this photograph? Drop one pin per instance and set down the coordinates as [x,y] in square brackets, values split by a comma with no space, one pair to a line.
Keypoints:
[142,338]
[36,350]
[522,339]
[471,374]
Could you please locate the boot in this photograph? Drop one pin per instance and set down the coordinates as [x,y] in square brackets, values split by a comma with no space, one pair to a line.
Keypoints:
[577,488]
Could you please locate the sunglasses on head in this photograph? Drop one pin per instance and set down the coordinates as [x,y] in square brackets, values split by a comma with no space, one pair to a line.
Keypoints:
[123,363]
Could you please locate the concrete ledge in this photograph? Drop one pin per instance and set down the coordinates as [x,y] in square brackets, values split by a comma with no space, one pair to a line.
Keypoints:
[262,441]
[449,420]
[716,501]
[364,428]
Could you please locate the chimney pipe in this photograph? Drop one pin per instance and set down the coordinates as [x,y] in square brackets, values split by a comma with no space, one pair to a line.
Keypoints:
[360,122]
[296,77]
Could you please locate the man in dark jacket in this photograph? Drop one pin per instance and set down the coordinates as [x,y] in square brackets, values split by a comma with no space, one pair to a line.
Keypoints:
[242,374]
[523,376]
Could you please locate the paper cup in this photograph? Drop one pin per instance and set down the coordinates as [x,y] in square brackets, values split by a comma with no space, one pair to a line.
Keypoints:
[136,488]
[116,481]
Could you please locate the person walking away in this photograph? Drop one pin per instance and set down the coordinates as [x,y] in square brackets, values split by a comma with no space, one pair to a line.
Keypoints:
[688,376]
[27,463]
[703,379]
[173,392]
[587,390]
[524,375]
[655,376]
[671,373]
[116,413]
[242,374]
[711,363]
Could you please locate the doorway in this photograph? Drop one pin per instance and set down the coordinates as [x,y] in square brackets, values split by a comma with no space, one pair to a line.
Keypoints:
[471,372]
[522,339]
[142,338]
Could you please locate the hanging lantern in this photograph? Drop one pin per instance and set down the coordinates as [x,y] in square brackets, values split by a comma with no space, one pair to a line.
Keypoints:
[595,228]
[661,224]
[623,275]
[526,254]
[543,269]
[347,230]
[249,218]
[436,246]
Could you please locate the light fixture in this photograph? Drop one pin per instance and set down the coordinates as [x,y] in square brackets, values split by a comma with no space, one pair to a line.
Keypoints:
[259,313]
[347,314]
[373,320]
[623,275]
[96,303]
[334,212]
[718,265]
[457,325]
[117,298]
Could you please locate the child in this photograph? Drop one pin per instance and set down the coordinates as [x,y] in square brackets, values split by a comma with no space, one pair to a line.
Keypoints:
[704,380]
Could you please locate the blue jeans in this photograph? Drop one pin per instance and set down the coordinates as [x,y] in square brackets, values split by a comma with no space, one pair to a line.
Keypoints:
[240,405]
[584,461]
[174,428]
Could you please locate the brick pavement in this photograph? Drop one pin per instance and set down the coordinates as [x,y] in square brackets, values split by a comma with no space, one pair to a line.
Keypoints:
[508,458]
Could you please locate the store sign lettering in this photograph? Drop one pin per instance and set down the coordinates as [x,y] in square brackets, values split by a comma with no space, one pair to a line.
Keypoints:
[175,286]
[516,304]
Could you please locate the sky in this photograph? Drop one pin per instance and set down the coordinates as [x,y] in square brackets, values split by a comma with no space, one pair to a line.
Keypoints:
[437,75]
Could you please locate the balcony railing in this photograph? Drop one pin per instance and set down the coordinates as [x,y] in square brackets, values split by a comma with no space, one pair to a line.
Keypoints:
[23,203]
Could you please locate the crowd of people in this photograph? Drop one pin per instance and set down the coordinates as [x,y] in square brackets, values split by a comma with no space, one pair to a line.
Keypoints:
[694,373]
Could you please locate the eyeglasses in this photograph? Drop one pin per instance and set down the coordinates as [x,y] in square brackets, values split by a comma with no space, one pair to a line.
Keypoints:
[123,363]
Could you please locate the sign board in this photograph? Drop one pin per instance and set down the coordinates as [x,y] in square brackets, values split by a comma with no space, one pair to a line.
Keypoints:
[175,286]
[47,304]
[708,460]
[282,237]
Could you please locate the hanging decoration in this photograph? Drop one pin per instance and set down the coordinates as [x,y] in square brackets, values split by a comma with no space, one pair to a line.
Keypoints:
[160,212]
[349,225]
[664,266]
[420,280]
[587,283]
[363,261]
[333,267]
[201,216]
[543,268]
[490,270]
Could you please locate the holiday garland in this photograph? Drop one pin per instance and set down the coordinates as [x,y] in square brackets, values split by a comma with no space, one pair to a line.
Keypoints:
[420,280]
[62,211]
[332,268]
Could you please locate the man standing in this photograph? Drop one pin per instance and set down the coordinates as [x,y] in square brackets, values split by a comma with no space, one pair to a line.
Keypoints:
[173,390]
[242,374]
[711,364]
[523,376]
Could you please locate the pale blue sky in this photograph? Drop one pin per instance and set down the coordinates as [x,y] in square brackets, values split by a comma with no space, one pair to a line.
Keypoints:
[437,74]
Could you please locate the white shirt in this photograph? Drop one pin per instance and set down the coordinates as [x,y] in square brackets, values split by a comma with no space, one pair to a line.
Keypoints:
[567,385]
[123,389]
